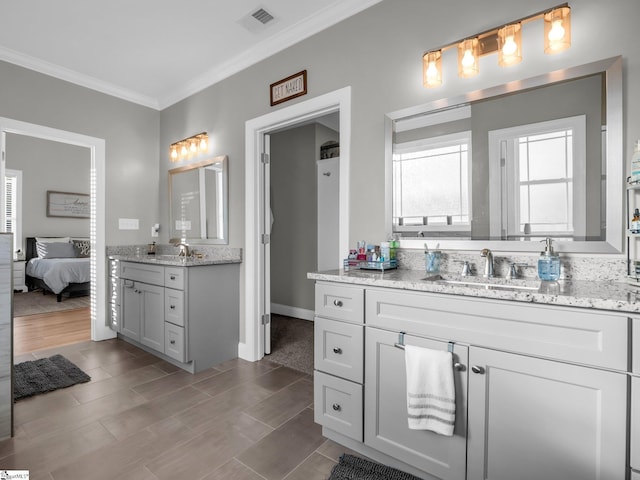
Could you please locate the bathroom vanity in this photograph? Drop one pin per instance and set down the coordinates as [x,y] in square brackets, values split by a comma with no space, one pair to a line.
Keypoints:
[184,310]
[541,374]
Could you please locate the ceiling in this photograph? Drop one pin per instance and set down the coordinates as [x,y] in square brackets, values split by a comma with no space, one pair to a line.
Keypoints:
[157,52]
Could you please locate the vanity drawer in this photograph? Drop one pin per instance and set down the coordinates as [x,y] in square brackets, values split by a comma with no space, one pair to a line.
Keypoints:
[338,405]
[339,348]
[142,272]
[635,423]
[174,342]
[174,277]
[174,306]
[340,302]
[579,335]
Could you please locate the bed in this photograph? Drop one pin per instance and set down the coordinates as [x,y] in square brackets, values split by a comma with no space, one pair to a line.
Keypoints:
[58,265]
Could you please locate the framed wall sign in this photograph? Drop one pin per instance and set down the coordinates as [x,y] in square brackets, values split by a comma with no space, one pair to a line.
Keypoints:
[70,205]
[288,88]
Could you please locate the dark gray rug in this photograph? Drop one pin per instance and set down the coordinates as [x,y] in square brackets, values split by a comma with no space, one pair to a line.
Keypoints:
[45,375]
[350,467]
[292,343]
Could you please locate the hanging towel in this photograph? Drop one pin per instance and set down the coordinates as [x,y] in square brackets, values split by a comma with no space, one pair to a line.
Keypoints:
[431,397]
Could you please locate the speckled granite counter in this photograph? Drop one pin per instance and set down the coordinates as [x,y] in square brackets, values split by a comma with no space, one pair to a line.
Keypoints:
[575,293]
[225,256]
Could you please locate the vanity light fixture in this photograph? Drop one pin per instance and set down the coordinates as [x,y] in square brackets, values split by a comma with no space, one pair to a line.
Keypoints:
[189,147]
[506,40]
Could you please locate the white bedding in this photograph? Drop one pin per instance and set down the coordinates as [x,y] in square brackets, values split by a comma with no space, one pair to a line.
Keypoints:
[57,273]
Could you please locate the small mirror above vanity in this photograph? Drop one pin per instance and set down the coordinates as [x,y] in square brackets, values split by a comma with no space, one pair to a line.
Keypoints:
[198,196]
[510,165]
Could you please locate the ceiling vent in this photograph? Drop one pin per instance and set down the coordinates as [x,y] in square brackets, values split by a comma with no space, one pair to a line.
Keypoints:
[257,20]
[262,16]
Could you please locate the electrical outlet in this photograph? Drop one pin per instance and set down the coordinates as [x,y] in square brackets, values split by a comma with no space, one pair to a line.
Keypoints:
[155,229]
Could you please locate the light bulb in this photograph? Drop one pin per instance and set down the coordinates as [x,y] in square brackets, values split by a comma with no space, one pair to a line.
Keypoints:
[183,151]
[193,148]
[432,71]
[174,153]
[510,47]
[203,143]
[557,31]
[468,60]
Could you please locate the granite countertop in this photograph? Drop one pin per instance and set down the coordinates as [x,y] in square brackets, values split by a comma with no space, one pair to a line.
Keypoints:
[176,261]
[615,296]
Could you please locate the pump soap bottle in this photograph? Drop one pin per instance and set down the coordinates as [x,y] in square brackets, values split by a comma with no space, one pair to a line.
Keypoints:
[548,263]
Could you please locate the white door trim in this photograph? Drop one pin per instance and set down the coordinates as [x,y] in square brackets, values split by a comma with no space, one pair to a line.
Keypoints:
[96,146]
[252,348]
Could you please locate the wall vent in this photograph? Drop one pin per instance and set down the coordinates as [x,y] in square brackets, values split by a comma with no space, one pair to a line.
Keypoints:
[262,16]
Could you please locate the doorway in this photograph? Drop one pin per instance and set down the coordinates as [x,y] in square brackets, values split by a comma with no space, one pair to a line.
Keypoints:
[257,229]
[96,148]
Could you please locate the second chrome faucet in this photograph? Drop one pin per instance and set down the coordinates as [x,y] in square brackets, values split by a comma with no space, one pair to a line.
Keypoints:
[488,262]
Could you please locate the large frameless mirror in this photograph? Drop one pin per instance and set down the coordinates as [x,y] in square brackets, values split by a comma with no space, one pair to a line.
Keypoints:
[199,202]
[511,165]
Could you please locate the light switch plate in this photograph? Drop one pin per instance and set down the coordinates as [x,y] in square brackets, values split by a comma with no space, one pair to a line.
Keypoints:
[128,224]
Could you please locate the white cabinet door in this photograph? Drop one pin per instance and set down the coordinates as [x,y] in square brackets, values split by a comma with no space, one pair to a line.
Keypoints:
[635,422]
[531,419]
[152,314]
[385,419]
[130,310]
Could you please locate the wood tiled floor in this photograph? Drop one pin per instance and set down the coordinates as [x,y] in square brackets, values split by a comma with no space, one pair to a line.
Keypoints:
[142,418]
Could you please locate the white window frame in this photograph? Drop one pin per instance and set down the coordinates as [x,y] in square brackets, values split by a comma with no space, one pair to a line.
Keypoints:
[503,144]
[441,141]
[17,230]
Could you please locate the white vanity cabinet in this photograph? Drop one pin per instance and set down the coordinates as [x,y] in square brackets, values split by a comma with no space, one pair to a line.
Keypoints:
[541,391]
[186,315]
[635,402]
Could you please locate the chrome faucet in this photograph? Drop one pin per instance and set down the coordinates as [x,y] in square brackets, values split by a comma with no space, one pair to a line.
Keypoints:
[184,248]
[488,264]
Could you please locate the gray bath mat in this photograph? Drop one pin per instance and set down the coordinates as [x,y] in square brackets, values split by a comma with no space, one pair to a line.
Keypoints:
[350,467]
[45,375]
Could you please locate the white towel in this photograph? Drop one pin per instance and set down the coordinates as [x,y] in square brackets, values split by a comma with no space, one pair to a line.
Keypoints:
[431,397]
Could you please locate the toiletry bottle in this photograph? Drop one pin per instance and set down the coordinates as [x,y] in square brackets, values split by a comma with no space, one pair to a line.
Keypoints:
[635,163]
[635,222]
[548,263]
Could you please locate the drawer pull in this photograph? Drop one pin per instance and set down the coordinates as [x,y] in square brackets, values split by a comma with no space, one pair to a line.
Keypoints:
[172,342]
[172,277]
[337,303]
[477,369]
[337,350]
[172,307]
[337,407]
[458,367]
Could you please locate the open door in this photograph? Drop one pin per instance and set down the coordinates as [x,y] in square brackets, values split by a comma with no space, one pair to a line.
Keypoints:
[266,220]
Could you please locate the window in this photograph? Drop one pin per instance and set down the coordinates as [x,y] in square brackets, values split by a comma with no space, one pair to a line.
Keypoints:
[431,186]
[542,177]
[13,205]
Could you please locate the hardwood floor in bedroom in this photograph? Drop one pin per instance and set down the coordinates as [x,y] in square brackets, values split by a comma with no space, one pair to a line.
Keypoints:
[142,418]
[48,330]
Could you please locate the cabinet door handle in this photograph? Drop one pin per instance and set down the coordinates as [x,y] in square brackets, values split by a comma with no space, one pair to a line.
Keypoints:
[337,407]
[337,350]
[172,277]
[477,369]
[337,303]
[172,307]
[458,367]
[172,342]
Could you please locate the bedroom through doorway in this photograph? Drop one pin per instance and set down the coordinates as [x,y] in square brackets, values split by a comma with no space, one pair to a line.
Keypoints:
[47,188]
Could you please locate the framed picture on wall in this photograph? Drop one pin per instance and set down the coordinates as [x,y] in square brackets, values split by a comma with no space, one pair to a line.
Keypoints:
[69,205]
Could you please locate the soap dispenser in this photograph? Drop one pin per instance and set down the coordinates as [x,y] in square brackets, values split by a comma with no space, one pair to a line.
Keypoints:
[548,263]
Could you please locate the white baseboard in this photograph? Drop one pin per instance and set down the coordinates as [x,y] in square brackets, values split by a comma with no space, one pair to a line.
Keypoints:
[295,312]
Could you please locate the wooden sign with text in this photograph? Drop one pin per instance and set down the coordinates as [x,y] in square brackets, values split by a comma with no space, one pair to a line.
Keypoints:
[288,88]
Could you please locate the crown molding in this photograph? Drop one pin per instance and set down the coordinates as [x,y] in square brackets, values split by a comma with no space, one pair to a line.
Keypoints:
[61,73]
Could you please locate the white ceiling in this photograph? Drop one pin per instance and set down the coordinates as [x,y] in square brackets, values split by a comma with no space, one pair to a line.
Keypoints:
[156,52]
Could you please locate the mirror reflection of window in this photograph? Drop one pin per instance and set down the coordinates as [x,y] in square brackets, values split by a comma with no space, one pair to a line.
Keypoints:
[431,184]
[13,206]
[543,166]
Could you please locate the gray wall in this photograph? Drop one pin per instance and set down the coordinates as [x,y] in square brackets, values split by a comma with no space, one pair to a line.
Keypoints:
[131,134]
[48,165]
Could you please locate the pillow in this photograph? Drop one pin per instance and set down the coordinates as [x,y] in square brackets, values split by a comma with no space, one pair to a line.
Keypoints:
[83,248]
[53,239]
[55,250]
